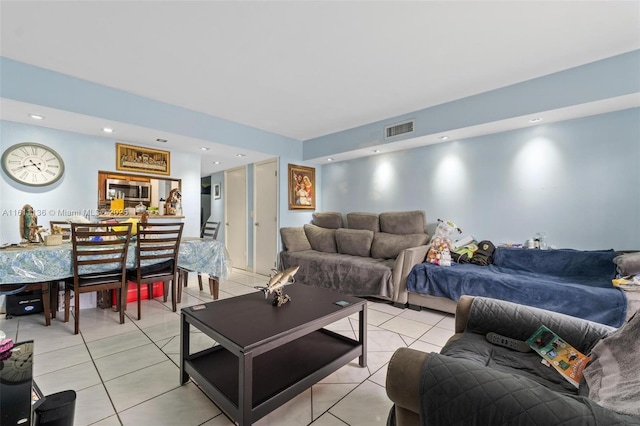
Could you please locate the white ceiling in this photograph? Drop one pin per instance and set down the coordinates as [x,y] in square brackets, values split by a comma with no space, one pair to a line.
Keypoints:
[305,68]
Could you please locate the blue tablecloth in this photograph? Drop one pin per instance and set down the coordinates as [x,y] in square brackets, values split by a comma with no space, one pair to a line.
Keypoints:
[38,263]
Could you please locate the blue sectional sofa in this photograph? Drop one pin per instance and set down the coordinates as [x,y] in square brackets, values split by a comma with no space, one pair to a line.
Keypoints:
[576,283]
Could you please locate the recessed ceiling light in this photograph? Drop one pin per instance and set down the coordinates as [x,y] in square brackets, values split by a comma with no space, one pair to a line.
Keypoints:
[36,116]
[107,130]
[204,148]
[216,162]
[241,155]
[161,140]
[444,138]
[329,159]
[535,120]
[376,151]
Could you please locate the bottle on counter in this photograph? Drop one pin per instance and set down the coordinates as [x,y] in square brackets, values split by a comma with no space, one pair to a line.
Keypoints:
[161,206]
[543,241]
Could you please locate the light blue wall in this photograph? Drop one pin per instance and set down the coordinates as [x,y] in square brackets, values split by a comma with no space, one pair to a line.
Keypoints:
[579,181]
[31,84]
[83,156]
[607,78]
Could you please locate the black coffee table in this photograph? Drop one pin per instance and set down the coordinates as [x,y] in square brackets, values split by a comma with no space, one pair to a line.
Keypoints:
[268,355]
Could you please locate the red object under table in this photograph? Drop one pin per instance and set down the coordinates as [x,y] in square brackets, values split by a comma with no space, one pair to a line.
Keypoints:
[132,293]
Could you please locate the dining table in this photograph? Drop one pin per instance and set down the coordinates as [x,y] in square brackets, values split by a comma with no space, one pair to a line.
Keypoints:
[37,263]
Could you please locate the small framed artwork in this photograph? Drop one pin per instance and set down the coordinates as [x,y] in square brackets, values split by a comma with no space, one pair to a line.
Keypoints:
[217,193]
[302,187]
[144,160]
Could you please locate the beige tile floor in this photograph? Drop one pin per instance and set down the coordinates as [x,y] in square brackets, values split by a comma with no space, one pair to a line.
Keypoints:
[128,374]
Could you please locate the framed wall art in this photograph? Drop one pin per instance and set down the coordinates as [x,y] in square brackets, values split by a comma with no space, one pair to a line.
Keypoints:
[217,193]
[302,187]
[144,160]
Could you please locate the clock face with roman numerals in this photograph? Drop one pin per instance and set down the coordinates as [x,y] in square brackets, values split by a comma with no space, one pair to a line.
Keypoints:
[32,164]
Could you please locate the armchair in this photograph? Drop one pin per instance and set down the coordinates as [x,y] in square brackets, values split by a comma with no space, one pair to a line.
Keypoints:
[472,381]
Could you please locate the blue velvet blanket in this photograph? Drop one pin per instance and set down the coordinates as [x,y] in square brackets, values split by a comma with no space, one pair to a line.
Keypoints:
[576,283]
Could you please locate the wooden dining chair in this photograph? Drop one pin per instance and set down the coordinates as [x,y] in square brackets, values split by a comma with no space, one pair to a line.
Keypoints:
[57,227]
[157,249]
[208,231]
[99,264]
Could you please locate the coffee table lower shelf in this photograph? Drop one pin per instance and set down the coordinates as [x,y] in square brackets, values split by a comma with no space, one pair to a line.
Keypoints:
[277,375]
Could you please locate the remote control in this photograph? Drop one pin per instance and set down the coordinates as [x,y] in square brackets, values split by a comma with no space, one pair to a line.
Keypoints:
[507,342]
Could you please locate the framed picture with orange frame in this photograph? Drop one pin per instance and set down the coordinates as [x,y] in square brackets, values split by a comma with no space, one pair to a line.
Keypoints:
[302,187]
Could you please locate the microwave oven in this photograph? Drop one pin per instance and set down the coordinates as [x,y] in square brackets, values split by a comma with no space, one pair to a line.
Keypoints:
[129,190]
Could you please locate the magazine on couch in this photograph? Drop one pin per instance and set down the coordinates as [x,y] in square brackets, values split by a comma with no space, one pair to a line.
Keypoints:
[562,356]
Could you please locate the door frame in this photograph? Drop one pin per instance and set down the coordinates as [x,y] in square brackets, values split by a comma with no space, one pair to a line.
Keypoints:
[226,213]
[255,207]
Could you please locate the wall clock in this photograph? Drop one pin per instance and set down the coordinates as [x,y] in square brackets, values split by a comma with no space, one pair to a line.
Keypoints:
[32,164]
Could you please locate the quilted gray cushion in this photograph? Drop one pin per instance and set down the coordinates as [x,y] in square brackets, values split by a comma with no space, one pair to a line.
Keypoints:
[321,239]
[356,242]
[487,315]
[388,246]
[456,392]
[294,239]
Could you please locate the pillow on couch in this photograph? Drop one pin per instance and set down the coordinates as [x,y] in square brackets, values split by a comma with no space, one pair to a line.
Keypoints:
[628,264]
[321,239]
[295,239]
[330,220]
[356,242]
[612,374]
[388,246]
[411,222]
[369,221]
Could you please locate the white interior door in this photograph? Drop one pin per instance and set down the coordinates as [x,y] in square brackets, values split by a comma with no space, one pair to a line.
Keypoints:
[265,218]
[235,234]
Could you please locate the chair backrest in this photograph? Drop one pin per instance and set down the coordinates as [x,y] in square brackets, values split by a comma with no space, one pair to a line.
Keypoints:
[100,251]
[210,230]
[56,227]
[158,242]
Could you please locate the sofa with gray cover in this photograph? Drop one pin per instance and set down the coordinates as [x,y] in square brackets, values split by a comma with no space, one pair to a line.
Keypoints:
[474,382]
[372,256]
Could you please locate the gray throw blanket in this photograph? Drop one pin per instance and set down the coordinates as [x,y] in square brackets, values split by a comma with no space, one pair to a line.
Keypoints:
[613,375]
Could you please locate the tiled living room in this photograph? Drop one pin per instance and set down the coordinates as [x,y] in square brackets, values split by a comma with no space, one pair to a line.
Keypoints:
[128,374]
[516,121]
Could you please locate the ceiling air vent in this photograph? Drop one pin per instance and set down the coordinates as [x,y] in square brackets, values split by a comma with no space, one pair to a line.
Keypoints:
[398,129]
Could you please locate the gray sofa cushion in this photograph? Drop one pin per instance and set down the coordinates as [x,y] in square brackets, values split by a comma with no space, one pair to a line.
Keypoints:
[369,221]
[612,375]
[628,263]
[330,220]
[294,239]
[321,239]
[356,242]
[388,246]
[412,222]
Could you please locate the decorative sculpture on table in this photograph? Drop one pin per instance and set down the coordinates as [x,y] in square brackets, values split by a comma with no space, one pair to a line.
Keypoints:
[276,284]
[174,202]
[29,229]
